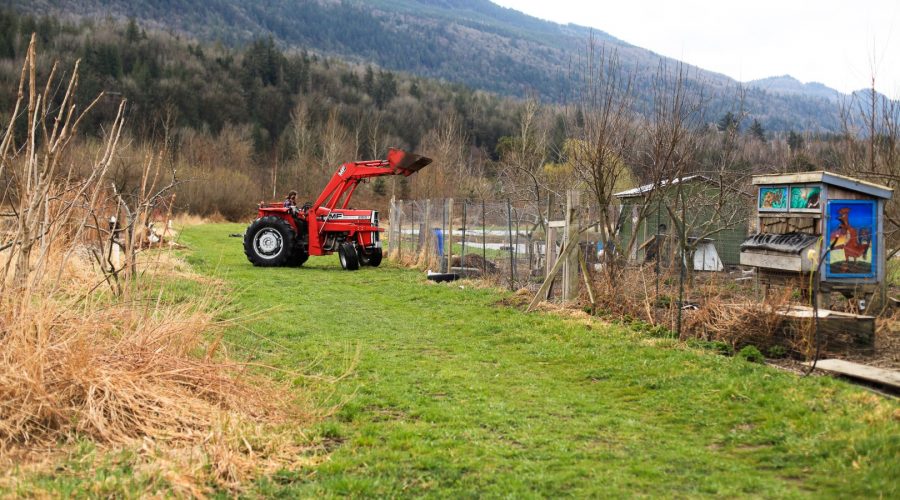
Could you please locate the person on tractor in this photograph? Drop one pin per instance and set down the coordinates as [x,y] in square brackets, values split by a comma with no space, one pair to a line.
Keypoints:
[291,199]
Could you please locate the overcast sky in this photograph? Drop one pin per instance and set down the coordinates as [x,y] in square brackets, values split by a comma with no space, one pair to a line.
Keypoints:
[835,42]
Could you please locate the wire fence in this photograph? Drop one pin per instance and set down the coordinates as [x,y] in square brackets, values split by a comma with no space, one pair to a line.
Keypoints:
[469,238]
[683,277]
[516,246]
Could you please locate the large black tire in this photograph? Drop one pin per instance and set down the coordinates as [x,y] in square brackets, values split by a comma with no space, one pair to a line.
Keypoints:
[269,242]
[373,258]
[349,256]
[301,247]
[298,258]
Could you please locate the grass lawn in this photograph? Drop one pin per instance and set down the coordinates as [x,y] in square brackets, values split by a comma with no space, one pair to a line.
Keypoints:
[456,395]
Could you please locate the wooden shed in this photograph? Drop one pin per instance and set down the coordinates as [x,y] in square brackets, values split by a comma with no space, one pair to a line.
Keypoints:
[724,243]
[804,218]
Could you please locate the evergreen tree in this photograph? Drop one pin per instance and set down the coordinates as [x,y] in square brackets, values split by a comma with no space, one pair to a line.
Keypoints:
[386,88]
[579,118]
[369,82]
[795,141]
[727,122]
[132,32]
[379,187]
[757,130]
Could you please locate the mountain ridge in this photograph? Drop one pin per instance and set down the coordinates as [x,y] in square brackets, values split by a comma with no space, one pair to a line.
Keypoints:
[473,42]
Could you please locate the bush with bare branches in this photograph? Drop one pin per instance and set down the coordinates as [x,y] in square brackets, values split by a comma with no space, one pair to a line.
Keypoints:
[123,368]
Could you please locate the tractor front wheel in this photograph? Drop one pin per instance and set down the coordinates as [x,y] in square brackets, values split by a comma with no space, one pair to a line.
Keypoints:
[349,256]
[269,242]
[371,259]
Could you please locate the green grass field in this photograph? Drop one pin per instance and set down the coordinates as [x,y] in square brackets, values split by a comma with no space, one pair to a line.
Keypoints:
[456,395]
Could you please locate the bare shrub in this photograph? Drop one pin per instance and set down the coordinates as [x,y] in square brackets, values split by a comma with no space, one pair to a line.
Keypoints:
[712,311]
[738,323]
[217,174]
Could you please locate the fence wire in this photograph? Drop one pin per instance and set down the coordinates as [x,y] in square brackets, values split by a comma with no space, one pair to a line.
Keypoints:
[467,237]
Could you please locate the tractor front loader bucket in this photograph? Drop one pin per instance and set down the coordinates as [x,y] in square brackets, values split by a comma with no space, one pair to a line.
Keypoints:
[406,163]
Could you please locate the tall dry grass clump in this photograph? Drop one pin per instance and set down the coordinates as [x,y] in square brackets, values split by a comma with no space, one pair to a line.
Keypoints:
[90,348]
[711,311]
[738,323]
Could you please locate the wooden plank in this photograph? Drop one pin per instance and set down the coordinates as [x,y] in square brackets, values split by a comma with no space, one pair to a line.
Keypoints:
[842,181]
[839,332]
[798,178]
[888,378]
[783,262]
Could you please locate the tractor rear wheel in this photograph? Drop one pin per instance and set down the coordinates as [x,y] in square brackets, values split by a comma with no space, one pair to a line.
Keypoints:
[349,256]
[269,242]
[372,258]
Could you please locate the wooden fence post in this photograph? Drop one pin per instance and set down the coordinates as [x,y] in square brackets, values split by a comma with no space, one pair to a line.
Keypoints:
[550,249]
[570,266]
[462,251]
[392,229]
[483,236]
[448,238]
[512,261]
[426,250]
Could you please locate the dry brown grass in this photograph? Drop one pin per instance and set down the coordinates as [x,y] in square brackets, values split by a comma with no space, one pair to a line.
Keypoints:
[717,312]
[738,323]
[125,373]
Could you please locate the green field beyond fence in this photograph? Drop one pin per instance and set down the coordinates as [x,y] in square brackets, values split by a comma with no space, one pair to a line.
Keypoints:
[458,395]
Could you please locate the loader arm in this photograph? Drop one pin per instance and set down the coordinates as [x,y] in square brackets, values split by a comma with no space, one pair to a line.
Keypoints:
[343,183]
[337,193]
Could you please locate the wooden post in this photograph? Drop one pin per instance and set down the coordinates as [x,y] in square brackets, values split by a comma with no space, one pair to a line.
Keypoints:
[587,281]
[550,248]
[483,237]
[512,262]
[448,238]
[392,229]
[462,252]
[564,254]
[415,227]
[570,266]
[400,231]
[426,250]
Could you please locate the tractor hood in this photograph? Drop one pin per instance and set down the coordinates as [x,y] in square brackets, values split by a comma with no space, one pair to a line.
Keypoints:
[406,163]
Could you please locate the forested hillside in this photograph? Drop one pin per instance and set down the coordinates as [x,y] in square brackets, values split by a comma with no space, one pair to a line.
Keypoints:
[469,41]
[258,84]
[256,118]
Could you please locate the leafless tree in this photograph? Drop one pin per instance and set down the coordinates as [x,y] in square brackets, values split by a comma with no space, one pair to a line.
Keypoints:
[667,146]
[871,150]
[605,137]
[717,202]
[446,145]
[48,197]
[523,155]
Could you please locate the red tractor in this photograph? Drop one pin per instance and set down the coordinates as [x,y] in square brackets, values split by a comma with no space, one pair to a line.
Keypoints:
[287,236]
